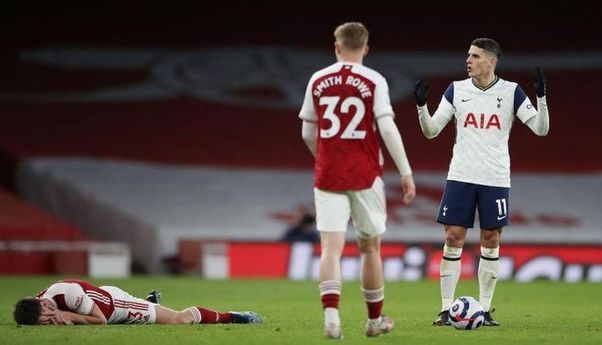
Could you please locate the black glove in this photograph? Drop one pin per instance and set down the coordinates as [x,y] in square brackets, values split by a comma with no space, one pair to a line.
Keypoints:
[539,82]
[421,91]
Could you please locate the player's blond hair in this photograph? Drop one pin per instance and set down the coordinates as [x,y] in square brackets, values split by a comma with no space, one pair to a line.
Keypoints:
[352,35]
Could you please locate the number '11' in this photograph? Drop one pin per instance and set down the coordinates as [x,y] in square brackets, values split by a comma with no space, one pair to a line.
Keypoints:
[501,206]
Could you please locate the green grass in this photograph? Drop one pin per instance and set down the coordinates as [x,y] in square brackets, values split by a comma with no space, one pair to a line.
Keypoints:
[535,313]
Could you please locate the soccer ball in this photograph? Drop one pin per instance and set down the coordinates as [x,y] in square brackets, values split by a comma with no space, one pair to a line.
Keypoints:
[466,313]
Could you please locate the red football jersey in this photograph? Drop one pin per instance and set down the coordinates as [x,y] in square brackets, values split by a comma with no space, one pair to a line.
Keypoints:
[345,99]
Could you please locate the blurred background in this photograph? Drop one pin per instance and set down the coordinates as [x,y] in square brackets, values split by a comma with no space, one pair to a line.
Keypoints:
[162,137]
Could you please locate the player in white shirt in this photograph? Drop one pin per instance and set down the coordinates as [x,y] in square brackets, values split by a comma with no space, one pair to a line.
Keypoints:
[484,107]
[73,302]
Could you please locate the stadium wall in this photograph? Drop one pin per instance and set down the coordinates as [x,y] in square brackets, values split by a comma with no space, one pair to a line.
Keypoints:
[402,261]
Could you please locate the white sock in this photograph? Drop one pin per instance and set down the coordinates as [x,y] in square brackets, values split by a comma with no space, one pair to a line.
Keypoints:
[196,314]
[489,267]
[449,275]
[331,315]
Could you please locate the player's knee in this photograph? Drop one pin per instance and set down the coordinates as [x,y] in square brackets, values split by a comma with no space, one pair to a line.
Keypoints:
[490,242]
[181,318]
[454,240]
[369,249]
[369,245]
[490,238]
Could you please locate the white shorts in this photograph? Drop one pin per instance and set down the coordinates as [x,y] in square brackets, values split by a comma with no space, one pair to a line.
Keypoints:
[367,208]
[130,309]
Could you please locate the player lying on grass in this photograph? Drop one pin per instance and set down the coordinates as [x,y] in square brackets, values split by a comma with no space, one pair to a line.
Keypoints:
[75,302]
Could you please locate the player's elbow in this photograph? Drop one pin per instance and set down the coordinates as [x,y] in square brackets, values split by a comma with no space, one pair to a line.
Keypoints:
[309,132]
[98,317]
[308,139]
[386,132]
[430,135]
[429,131]
[101,320]
[542,132]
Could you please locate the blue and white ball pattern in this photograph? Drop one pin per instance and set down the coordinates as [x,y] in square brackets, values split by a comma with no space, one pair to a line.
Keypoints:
[466,313]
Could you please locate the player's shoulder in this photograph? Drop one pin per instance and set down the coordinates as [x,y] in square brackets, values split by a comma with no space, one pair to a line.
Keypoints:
[462,84]
[59,287]
[507,83]
[508,87]
[335,67]
[368,73]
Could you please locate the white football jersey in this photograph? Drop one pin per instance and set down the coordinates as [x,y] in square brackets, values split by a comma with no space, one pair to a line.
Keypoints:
[69,296]
[484,117]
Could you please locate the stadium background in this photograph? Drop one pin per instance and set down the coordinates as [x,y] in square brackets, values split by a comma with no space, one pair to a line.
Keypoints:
[165,134]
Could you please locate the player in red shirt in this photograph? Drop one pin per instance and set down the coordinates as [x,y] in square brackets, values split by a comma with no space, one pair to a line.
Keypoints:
[345,105]
[70,302]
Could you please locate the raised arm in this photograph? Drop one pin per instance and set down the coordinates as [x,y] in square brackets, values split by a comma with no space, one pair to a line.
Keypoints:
[540,123]
[432,126]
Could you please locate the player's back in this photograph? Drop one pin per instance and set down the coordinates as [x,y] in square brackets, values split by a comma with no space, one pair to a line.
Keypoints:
[68,295]
[346,98]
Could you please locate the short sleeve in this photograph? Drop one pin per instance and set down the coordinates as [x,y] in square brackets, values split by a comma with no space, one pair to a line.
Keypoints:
[77,300]
[382,102]
[308,111]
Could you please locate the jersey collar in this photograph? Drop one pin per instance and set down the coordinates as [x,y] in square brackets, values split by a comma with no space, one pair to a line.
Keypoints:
[486,87]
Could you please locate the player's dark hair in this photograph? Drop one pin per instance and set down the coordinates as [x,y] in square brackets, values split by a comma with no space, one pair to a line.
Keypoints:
[489,45]
[27,311]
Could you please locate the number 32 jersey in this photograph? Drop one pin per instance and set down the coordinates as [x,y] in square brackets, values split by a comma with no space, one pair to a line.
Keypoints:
[344,100]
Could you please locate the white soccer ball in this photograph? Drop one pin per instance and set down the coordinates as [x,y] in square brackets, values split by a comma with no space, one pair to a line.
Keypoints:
[466,313]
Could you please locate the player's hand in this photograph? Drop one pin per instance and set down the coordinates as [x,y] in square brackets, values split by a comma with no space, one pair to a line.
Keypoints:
[539,82]
[60,319]
[408,188]
[47,314]
[421,91]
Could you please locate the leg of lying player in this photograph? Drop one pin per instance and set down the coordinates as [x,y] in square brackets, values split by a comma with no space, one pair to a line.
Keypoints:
[200,315]
[373,287]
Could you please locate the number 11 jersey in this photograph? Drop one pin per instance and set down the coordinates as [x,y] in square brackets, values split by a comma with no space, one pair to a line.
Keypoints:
[344,100]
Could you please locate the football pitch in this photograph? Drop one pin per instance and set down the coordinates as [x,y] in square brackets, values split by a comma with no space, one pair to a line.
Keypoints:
[535,313]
